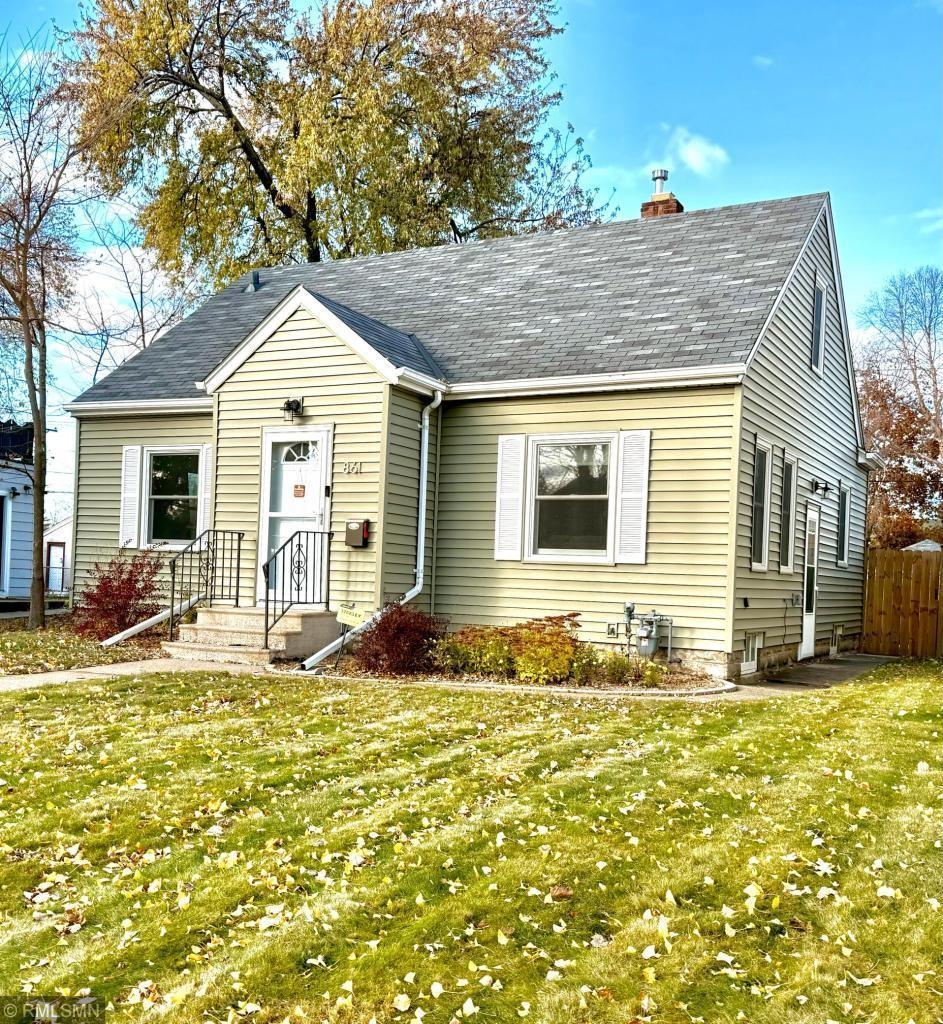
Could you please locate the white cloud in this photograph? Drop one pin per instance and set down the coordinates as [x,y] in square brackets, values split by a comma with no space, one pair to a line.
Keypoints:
[698,154]
[930,220]
[762,61]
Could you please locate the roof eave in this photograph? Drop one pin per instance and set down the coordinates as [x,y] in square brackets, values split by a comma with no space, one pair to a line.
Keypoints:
[728,373]
[142,407]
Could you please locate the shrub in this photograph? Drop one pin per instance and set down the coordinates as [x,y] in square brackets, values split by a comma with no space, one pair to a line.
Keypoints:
[399,642]
[123,592]
[618,669]
[479,650]
[585,668]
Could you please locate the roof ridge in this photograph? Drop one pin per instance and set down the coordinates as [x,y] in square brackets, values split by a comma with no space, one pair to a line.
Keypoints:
[478,243]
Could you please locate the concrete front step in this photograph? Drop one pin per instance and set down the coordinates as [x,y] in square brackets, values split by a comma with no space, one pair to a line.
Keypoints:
[291,643]
[221,653]
[237,635]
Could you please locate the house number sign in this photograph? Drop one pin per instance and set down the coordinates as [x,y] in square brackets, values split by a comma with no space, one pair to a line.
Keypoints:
[299,490]
[353,467]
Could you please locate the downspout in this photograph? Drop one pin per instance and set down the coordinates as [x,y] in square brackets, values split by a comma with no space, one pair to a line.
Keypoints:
[414,591]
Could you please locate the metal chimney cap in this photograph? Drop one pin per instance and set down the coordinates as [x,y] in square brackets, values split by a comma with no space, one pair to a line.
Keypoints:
[659,176]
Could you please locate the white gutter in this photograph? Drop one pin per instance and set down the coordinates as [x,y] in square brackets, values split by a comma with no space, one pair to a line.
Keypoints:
[147,407]
[335,645]
[163,616]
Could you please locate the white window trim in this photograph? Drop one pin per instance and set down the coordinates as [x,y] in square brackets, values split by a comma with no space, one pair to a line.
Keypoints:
[787,568]
[819,282]
[767,446]
[748,668]
[530,484]
[144,498]
[842,556]
[7,553]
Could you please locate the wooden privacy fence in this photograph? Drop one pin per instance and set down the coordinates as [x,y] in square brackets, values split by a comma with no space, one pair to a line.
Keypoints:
[902,603]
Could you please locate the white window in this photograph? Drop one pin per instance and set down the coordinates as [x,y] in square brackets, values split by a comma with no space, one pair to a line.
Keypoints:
[164,495]
[579,497]
[819,315]
[759,539]
[753,644]
[787,517]
[844,524]
[571,498]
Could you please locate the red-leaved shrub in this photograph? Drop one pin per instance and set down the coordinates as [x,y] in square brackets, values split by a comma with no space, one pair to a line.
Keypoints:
[121,593]
[399,642]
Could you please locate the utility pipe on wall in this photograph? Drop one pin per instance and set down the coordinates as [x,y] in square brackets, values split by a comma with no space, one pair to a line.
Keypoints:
[335,645]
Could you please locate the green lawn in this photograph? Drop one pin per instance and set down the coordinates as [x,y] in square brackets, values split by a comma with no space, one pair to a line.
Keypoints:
[24,651]
[278,849]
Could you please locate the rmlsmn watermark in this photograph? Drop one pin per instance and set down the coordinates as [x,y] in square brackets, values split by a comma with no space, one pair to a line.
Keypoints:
[17,1009]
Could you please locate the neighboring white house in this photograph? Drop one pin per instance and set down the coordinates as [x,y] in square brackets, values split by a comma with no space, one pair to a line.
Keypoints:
[924,545]
[57,556]
[16,532]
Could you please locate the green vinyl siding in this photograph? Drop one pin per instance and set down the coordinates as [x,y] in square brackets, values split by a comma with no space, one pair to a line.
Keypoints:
[811,417]
[99,442]
[302,359]
[689,511]
[401,495]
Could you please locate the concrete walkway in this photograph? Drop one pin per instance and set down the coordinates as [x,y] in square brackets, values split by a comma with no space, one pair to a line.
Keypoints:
[815,675]
[811,675]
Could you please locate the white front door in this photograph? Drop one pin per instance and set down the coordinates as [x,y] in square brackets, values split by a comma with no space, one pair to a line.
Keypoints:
[295,479]
[810,595]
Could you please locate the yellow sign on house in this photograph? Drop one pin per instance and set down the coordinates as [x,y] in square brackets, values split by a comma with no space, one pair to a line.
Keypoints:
[348,615]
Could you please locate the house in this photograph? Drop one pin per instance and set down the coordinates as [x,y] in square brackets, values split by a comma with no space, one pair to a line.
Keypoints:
[57,545]
[658,412]
[16,513]
[924,545]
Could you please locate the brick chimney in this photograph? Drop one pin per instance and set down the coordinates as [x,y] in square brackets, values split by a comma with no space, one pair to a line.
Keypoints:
[662,202]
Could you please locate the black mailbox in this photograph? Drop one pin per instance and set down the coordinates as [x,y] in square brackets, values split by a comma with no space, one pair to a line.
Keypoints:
[357,533]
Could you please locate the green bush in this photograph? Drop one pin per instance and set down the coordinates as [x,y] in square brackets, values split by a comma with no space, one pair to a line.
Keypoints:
[586,664]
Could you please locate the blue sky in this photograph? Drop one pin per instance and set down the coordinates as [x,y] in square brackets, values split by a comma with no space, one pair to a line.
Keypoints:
[747,101]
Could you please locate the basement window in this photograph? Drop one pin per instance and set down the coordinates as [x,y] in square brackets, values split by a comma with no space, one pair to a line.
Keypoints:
[752,645]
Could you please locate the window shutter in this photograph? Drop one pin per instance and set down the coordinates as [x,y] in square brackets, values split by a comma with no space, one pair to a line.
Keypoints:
[205,511]
[632,496]
[509,501]
[129,516]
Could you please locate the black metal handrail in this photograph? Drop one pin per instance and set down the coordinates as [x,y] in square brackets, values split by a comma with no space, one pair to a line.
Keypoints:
[299,572]
[207,569]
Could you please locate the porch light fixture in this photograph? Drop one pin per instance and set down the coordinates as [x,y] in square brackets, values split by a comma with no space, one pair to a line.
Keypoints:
[293,407]
[821,487]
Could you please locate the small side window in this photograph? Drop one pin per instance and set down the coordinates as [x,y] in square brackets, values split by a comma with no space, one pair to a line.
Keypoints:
[787,519]
[759,541]
[844,524]
[819,306]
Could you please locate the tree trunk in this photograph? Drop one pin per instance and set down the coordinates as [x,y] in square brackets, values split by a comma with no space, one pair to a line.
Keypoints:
[37,587]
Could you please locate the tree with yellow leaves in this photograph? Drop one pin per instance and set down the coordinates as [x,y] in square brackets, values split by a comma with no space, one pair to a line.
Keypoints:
[262,136]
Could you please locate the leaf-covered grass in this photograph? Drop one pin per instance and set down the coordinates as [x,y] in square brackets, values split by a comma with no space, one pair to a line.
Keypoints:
[24,651]
[292,849]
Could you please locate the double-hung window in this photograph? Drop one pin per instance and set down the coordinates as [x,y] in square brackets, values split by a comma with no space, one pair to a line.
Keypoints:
[580,497]
[787,517]
[164,494]
[571,499]
[819,313]
[172,496]
[844,524]
[759,539]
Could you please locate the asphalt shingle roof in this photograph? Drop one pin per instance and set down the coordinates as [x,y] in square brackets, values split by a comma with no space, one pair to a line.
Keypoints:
[680,291]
